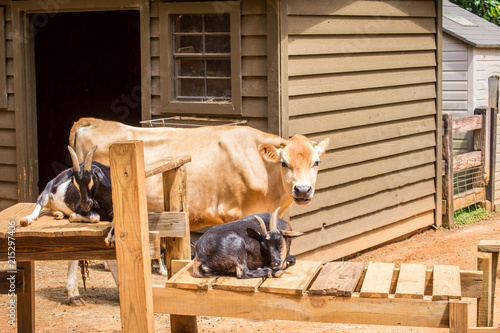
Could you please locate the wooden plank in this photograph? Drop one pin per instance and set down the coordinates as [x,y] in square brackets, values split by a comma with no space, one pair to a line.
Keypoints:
[449,161]
[12,281]
[467,160]
[7,137]
[310,45]
[363,8]
[8,190]
[307,308]
[485,303]
[459,316]
[488,246]
[234,284]
[411,281]
[184,279]
[25,313]
[482,141]
[130,223]
[361,80]
[325,25]
[356,99]
[154,245]
[178,264]
[337,278]
[469,197]
[377,281]
[467,124]
[338,63]
[166,164]
[446,283]
[316,123]
[295,279]
[273,69]
[168,224]
[470,281]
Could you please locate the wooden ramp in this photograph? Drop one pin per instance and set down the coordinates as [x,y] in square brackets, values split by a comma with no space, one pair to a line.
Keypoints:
[346,279]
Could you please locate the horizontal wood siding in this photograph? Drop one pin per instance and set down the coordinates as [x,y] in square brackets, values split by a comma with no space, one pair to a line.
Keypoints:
[363,74]
[8,163]
[253,62]
[455,86]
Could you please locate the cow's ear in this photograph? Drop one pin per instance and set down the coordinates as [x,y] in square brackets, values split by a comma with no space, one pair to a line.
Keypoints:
[254,234]
[322,147]
[291,234]
[269,152]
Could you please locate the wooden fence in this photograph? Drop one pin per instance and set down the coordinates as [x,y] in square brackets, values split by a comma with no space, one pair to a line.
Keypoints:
[483,123]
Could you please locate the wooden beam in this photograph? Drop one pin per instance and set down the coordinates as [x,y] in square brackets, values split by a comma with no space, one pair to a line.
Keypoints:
[467,124]
[131,230]
[447,179]
[484,304]
[165,164]
[13,278]
[491,186]
[467,160]
[459,316]
[482,140]
[488,246]
[26,301]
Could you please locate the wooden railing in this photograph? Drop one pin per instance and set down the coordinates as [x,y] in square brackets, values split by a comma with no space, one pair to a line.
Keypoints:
[483,123]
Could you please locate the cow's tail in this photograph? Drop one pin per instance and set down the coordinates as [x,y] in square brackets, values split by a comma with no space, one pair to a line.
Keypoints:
[83,122]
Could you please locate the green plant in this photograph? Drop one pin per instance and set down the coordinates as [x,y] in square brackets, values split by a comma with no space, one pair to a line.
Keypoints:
[487,9]
[470,215]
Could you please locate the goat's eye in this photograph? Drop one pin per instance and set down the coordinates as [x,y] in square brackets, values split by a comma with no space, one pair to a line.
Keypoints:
[316,163]
[284,165]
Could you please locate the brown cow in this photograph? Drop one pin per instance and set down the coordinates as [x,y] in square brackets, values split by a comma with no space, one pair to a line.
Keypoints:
[235,171]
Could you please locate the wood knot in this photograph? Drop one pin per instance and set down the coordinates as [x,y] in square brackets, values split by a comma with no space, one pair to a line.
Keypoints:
[318,302]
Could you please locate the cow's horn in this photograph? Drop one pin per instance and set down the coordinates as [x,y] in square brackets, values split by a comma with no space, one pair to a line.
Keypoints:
[273,225]
[262,226]
[74,159]
[88,159]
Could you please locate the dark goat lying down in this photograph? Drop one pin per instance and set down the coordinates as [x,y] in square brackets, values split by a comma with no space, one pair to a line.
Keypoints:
[254,246]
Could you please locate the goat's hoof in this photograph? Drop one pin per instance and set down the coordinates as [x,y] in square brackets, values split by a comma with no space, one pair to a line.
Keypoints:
[76,301]
[109,243]
[58,215]
[278,273]
[26,221]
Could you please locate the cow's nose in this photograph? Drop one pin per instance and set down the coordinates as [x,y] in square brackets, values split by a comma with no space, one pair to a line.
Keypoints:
[302,191]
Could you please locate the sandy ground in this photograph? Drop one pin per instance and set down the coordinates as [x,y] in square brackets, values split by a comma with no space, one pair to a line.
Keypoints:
[102,312]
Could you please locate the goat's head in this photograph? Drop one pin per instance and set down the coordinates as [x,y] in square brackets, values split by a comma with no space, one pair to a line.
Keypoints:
[84,179]
[273,241]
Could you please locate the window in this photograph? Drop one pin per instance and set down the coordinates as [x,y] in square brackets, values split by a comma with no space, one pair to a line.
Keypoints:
[200,58]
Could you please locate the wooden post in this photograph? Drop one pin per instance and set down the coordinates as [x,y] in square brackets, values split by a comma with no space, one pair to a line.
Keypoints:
[482,141]
[175,199]
[132,237]
[448,170]
[26,300]
[490,188]
[459,316]
[485,303]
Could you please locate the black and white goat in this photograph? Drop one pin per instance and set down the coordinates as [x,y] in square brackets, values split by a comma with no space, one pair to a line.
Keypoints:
[254,246]
[83,193]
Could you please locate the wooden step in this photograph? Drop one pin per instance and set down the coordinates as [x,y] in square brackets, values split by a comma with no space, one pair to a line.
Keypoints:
[184,279]
[295,279]
[411,281]
[377,282]
[446,283]
[338,278]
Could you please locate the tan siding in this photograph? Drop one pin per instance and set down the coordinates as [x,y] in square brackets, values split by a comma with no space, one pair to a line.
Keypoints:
[367,82]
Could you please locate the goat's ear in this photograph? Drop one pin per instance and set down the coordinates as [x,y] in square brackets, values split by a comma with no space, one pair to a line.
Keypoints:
[269,152]
[291,234]
[254,234]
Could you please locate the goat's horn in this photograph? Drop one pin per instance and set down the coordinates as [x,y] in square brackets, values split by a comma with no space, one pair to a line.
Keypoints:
[273,224]
[74,159]
[88,159]
[262,224]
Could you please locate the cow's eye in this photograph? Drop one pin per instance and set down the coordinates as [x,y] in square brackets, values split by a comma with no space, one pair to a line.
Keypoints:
[284,165]
[316,163]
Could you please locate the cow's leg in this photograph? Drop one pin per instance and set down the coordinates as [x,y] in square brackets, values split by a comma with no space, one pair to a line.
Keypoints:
[74,298]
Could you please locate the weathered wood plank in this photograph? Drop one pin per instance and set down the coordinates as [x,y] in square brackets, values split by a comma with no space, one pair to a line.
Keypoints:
[459,316]
[488,246]
[467,124]
[486,302]
[411,281]
[184,279]
[178,264]
[447,183]
[234,284]
[467,160]
[446,283]
[337,278]
[168,224]
[377,281]
[469,197]
[166,164]
[295,279]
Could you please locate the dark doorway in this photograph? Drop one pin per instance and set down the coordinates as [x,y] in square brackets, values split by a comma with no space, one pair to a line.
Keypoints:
[87,64]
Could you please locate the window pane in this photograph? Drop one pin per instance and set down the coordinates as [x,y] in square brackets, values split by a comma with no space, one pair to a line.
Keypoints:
[191,87]
[217,23]
[191,67]
[189,44]
[219,88]
[188,23]
[219,68]
[217,44]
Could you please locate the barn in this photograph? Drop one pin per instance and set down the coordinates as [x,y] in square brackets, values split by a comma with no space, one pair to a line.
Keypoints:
[471,69]
[366,74]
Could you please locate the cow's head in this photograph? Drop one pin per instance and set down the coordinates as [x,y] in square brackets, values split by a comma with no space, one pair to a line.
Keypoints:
[84,179]
[299,158]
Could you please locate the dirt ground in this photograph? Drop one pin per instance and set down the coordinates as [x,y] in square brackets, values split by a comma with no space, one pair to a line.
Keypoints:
[101,314]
